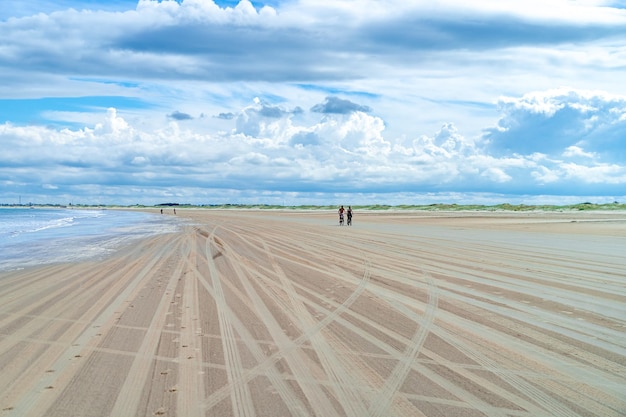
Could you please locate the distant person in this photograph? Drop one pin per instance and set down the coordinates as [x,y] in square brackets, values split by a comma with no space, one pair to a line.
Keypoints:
[161,211]
[174,211]
[349,216]
[341,211]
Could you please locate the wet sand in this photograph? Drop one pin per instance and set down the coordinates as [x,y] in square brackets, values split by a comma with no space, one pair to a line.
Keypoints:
[265,313]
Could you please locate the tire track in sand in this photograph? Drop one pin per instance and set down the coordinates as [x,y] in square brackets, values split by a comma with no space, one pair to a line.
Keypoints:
[467,397]
[241,398]
[351,400]
[383,400]
[32,403]
[255,349]
[127,401]
[291,345]
[296,407]
[190,366]
[537,396]
[339,376]
[296,359]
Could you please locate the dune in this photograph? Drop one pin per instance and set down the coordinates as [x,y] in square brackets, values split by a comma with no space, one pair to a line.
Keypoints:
[285,313]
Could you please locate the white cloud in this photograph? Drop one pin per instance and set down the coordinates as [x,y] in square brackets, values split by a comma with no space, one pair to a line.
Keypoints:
[544,175]
[274,151]
[574,151]
[496,174]
[560,121]
[596,174]
[140,160]
[315,97]
[112,124]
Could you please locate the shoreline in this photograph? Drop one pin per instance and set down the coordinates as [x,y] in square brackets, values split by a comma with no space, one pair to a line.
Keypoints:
[49,236]
[287,313]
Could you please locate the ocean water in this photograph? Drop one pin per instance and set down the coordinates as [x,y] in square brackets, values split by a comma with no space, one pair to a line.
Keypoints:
[30,237]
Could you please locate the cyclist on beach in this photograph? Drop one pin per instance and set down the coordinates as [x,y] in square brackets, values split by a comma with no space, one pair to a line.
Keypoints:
[341,210]
[349,215]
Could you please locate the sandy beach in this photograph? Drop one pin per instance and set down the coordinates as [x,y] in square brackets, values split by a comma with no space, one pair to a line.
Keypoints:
[271,313]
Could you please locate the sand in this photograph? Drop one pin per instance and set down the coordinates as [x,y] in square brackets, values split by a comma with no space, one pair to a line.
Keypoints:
[269,313]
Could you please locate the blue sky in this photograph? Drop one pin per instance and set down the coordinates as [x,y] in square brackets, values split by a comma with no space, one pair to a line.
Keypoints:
[312,101]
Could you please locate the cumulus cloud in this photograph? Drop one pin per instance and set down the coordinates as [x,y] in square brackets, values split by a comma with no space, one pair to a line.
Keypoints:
[336,105]
[562,121]
[112,124]
[273,153]
[368,96]
[262,119]
[496,174]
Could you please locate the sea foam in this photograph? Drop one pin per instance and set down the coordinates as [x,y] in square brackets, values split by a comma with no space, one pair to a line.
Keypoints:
[30,237]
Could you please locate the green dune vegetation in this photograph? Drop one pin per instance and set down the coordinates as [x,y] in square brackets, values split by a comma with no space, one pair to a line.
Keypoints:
[615,206]
[411,207]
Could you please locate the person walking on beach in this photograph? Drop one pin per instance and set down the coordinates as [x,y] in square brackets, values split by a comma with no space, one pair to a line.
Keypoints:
[341,210]
[349,215]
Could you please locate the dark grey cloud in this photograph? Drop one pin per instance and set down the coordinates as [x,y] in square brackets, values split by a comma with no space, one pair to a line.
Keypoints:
[336,105]
[477,32]
[230,50]
[276,53]
[226,116]
[176,115]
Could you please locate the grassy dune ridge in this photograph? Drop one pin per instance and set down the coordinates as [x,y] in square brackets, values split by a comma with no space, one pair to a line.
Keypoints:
[615,206]
[409,207]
